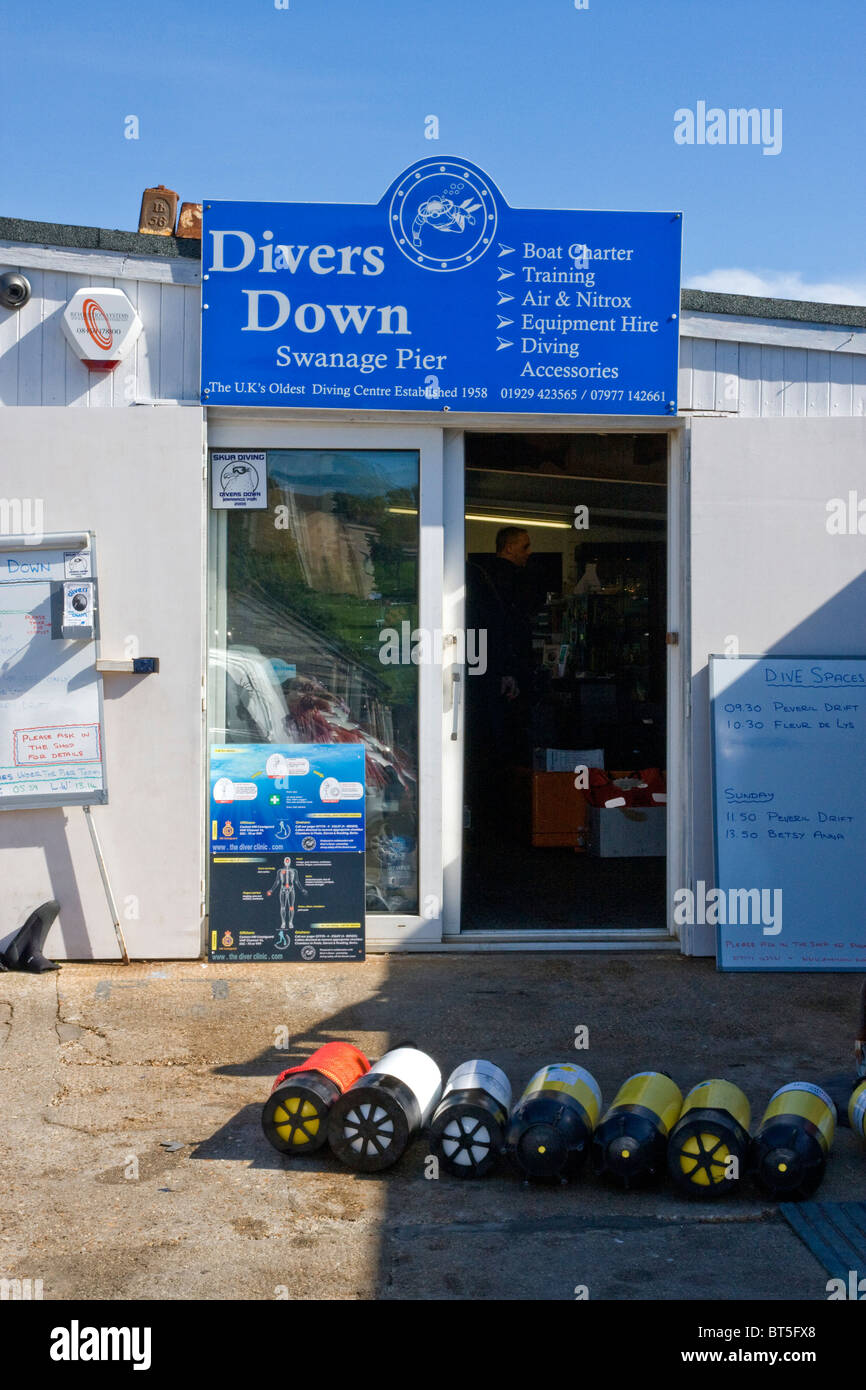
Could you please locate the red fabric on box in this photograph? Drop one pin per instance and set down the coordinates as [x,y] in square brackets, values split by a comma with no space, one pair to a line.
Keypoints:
[602,791]
[340,1062]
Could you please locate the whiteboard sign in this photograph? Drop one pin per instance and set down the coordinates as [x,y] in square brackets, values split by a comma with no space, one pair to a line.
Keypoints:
[789,753]
[52,747]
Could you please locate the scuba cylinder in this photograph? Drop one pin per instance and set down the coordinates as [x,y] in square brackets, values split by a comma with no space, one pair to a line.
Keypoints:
[709,1142]
[857,1110]
[371,1125]
[295,1113]
[789,1151]
[467,1131]
[631,1142]
[551,1125]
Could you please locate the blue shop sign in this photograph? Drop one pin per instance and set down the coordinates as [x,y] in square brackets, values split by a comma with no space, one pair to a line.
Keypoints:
[440,297]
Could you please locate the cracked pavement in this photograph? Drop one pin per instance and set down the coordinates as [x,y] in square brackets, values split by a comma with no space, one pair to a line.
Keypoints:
[133,1165]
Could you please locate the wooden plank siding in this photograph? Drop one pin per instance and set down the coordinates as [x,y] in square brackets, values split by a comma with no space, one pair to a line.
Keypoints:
[38,367]
[765,380]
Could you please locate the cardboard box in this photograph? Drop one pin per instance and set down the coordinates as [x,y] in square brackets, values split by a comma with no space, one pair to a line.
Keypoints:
[566,759]
[557,809]
[622,832]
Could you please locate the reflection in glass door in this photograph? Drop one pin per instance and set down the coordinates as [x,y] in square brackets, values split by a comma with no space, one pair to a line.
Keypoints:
[310,642]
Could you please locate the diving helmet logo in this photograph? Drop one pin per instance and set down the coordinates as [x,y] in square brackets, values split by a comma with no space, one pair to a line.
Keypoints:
[239,477]
[443,215]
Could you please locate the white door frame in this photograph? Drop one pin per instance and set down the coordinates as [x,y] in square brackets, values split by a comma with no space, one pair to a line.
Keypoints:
[255,430]
[678,744]
[442,608]
[679,697]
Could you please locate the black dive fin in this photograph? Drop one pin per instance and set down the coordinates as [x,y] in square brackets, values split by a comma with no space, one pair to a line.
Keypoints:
[24,951]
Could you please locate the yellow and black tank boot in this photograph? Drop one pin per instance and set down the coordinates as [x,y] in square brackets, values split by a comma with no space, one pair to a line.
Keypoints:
[709,1144]
[630,1144]
[551,1126]
[789,1151]
[857,1110]
[295,1114]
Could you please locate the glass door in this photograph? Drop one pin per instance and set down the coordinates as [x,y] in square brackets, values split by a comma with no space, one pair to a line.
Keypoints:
[326,628]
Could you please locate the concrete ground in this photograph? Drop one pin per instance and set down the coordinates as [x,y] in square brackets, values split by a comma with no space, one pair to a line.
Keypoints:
[133,1165]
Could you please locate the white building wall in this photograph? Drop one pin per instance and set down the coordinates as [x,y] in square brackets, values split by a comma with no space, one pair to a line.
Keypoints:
[135,479]
[764,568]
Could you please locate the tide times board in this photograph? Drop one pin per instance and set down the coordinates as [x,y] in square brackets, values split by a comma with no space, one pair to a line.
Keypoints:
[52,742]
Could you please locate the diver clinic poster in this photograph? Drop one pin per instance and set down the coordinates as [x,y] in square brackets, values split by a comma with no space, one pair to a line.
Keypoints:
[287,852]
[295,907]
[270,797]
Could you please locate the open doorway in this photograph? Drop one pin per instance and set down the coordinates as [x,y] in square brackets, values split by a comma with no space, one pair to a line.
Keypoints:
[566,577]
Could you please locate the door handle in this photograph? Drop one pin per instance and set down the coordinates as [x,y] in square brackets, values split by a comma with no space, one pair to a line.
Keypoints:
[455,705]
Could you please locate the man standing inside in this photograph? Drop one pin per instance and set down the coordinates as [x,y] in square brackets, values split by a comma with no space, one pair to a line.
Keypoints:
[514,590]
[499,602]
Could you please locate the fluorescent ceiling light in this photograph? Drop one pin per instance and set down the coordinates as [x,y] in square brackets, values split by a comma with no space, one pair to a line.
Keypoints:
[519,521]
[477,516]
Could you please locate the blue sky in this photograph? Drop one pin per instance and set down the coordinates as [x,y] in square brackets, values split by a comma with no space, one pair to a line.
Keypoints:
[326,100]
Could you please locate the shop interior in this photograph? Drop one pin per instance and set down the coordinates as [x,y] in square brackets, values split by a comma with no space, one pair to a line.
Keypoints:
[574,677]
